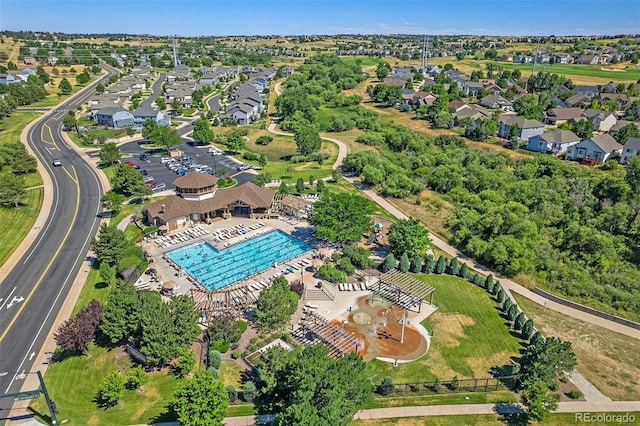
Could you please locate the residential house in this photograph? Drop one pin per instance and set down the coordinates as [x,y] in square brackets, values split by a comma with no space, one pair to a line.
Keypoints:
[555,141]
[115,117]
[395,81]
[598,148]
[622,100]
[631,149]
[586,60]
[620,124]
[423,98]
[589,91]
[557,116]
[527,128]
[8,79]
[561,58]
[470,88]
[142,113]
[29,60]
[578,100]
[472,112]
[602,120]
[496,102]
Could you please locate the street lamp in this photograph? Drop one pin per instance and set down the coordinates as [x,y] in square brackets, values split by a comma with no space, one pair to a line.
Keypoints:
[18,396]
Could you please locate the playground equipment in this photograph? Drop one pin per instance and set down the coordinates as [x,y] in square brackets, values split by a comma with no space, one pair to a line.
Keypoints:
[376,234]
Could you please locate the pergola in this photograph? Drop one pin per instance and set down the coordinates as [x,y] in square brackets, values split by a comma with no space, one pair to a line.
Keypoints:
[403,290]
[224,302]
[335,338]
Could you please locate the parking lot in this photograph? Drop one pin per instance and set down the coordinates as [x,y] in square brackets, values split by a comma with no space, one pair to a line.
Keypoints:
[158,172]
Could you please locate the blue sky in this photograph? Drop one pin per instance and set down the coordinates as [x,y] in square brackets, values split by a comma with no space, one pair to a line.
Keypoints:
[247,17]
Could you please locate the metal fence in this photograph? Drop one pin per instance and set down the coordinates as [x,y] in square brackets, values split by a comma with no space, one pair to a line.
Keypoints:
[487,384]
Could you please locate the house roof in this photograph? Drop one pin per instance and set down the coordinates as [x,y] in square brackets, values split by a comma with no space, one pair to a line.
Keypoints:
[606,142]
[195,180]
[248,193]
[523,123]
[494,99]
[590,113]
[564,113]
[576,99]
[633,143]
[620,124]
[560,136]
[145,111]
[111,110]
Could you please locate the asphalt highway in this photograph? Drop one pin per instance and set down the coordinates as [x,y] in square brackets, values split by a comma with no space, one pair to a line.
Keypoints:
[34,291]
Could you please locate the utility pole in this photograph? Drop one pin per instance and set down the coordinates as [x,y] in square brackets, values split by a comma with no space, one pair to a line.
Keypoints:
[50,404]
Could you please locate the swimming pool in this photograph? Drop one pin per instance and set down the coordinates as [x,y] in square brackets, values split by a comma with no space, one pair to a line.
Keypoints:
[218,268]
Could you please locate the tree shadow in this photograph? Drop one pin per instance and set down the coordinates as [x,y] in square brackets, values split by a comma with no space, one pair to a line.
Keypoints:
[168,414]
[61,354]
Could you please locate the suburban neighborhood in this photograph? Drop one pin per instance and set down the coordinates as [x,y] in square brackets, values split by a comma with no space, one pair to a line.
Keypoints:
[380,225]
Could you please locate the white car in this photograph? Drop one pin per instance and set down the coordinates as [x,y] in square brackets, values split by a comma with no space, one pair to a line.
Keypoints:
[165,159]
[57,163]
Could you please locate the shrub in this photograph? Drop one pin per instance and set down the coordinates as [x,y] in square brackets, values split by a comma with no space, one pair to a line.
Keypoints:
[110,390]
[264,140]
[455,384]
[429,264]
[554,386]
[527,329]
[500,296]
[507,305]
[441,265]
[330,273]
[347,266]
[215,373]
[454,267]
[488,283]
[215,359]
[512,313]
[386,387]
[298,159]
[496,288]
[519,322]
[135,377]
[437,386]
[249,391]
[232,392]
[250,156]
[575,394]
[416,264]
[297,287]
[464,271]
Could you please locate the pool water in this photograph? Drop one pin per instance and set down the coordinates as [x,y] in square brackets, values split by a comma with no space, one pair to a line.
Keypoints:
[218,268]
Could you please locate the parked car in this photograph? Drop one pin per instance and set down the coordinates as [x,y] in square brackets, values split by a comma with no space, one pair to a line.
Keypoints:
[148,179]
[131,164]
[166,159]
[159,187]
[143,172]
[144,156]
[152,184]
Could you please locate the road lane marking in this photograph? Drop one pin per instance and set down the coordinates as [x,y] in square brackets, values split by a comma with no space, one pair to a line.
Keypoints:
[8,297]
[46,270]
[62,287]
[53,140]
[69,174]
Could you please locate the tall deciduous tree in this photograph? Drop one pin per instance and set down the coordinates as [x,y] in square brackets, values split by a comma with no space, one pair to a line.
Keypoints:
[76,333]
[408,236]
[307,139]
[148,127]
[538,401]
[110,390]
[342,217]
[109,244]
[121,313]
[109,154]
[165,136]
[202,132]
[128,182]
[202,401]
[12,190]
[307,387]
[275,305]
[583,129]
[545,360]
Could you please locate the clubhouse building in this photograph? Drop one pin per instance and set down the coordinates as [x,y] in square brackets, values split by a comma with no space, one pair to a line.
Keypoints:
[198,199]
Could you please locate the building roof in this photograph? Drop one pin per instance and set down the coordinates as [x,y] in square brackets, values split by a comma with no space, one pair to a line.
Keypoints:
[523,123]
[606,142]
[564,113]
[248,193]
[195,180]
[111,111]
[633,143]
[590,113]
[145,111]
[560,136]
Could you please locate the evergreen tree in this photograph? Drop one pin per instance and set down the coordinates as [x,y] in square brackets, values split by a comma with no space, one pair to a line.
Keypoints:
[185,319]
[507,305]
[389,263]
[454,267]
[109,245]
[65,86]
[441,265]
[527,329]
[464,271]
[429,264]
[488,282]
[157,336]
[477,280]
[500,296]
[120,316]
[249,391]
[404,263]
[497,287]
[416,264]
[519,322]
[512,312]
[386,387]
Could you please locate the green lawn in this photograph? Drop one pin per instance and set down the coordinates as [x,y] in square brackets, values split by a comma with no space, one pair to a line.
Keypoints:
[94,288]
[325,114]
[11,127]
[73,382]
[16,223]
[230,373]
[469,336]
[447,399]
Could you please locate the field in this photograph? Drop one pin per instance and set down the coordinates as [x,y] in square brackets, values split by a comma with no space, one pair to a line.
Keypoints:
[73,382]
[470,336]
[16,223]
[609,360]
